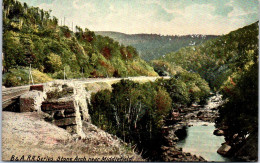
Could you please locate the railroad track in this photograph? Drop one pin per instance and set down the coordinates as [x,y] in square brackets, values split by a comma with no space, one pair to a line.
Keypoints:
[10,95]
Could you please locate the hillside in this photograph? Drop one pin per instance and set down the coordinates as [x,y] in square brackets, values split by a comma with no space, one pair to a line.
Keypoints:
[217,59]
[152,46]
[32,36]
[230,65]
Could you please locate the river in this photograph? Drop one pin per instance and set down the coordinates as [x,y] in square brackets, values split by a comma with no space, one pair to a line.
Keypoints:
[201,141]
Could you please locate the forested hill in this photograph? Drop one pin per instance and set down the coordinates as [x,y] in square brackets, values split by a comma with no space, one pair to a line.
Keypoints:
[32,36]
[230,65]
[220,58]
[152,46]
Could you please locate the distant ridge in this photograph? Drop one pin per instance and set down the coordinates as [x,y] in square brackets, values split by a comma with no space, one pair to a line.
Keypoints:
[152,46]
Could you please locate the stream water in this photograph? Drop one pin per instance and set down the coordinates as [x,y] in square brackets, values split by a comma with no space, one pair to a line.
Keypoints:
[201,141]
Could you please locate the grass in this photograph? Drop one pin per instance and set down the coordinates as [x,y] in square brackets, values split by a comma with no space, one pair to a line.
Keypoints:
[66,91]
[95,87]
[20,76]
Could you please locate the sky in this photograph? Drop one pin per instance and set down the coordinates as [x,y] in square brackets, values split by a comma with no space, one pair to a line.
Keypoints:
[166,17]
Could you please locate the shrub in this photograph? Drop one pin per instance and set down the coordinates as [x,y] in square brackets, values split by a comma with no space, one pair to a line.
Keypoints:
[53,63]
[20,76]
[186,88]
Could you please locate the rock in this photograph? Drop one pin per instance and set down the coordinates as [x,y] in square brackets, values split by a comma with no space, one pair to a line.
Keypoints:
[66,112]
[235,136]
[65,121]
[36,87]
[214,109]
[170,143]
[201,159]
[67,106]
[249,150]
[32,101]
[224,150]
[199,113]
[218,132]
[164,148]
[59,114]
[71,129]
[180,156]
[181,133]
[175,114]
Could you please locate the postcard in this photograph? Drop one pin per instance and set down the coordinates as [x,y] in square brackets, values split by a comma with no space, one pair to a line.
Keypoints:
[123,81]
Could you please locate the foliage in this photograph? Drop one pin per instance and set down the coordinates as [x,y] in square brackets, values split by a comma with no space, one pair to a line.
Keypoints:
[186,88]
[32,36]
[240,113]
[55,94]
[103,114]
[153,46]
[53,62]
[164,68]
[137,112]
[20,76]
[230,65]
[215,60]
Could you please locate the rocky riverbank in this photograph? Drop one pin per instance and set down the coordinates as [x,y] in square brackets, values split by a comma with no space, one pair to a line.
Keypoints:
[170,152]
[178,123]
[238,147]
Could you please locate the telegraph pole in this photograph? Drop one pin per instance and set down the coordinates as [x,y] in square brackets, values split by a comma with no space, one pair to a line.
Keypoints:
[64,73]
[30,75]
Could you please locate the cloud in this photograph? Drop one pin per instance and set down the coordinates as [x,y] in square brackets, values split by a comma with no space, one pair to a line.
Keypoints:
[79,5]
[154,16]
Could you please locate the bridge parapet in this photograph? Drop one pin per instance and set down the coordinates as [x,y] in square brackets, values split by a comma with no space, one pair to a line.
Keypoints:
[11,95]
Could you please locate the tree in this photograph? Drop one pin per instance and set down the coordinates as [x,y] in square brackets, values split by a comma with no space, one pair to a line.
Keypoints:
[53,63]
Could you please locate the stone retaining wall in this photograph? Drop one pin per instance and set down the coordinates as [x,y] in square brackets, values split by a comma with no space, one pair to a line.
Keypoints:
[65,113]
[65,103]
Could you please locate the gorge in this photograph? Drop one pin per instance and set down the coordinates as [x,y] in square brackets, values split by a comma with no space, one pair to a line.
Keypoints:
[74,94]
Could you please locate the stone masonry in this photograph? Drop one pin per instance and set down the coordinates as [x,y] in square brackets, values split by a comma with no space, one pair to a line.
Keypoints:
[65,113]
[64,103]
[31,101]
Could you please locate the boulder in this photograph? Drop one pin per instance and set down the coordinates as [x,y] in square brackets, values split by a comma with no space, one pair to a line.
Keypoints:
[199,113]
[164,148]
[32,101]
[224,150]
[181,133]
[218,132]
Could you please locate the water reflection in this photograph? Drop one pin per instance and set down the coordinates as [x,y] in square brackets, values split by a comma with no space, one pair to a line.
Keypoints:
[201,141]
